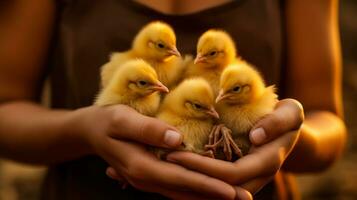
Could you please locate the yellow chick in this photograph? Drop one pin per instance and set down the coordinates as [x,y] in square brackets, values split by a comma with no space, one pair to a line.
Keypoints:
[156,44]
[190,108]
[215,50]
[242,100]
[134,84]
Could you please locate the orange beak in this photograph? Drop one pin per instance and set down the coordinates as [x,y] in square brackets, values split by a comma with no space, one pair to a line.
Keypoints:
[160,87]
[221,96]
[173,51]
[212,112]
[200,59]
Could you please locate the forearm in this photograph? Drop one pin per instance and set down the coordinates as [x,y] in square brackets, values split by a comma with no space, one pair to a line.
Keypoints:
[31,133]
[321,142]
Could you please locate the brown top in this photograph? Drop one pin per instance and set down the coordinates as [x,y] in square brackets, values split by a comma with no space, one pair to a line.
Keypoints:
[88,31]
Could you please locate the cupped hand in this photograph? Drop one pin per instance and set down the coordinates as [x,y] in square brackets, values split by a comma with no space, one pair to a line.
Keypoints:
[118,134]
[276,137]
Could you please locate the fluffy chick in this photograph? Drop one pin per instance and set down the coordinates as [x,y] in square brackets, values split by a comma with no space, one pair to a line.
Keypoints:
[190,108]
[134,84]
[243,99]
[156,44]
[215,50]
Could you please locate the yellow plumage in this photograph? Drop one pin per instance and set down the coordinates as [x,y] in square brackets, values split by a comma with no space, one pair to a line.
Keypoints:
[156,44]
[134,84]
[243,99]
[190,108]
[215,50]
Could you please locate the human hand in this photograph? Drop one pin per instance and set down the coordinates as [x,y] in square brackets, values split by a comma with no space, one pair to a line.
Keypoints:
[116,132]
[272,143]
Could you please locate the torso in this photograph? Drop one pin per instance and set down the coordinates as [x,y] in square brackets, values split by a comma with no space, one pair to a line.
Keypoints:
[181,7]
[88,31]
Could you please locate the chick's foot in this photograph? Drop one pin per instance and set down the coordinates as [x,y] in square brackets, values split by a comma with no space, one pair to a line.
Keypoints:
[215,139]
[229,144]
[221,137]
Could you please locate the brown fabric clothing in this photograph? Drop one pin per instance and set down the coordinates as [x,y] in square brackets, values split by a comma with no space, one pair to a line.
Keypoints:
[88,31]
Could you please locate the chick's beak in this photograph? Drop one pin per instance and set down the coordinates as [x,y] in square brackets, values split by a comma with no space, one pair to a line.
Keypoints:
[212,112]
[160,87]
[199,59]
[173,51]
[221,96]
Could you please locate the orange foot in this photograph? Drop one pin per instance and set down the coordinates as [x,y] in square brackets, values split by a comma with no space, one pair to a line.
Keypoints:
[221,136]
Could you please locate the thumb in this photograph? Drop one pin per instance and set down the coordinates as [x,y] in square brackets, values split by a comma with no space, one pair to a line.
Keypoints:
[134,126]
[287,116]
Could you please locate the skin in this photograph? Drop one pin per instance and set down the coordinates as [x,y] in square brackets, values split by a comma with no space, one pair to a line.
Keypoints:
[292,143]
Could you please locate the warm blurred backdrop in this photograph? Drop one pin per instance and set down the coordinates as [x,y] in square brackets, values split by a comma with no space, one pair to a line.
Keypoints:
[339,182]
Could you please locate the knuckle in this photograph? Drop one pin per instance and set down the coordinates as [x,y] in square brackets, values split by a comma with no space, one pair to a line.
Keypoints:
[275,121]
[146,126]
[272,123]
[298,112]
[121,112]
[265,120]
[136,170]
[233,176]
[118,116]
[151,131]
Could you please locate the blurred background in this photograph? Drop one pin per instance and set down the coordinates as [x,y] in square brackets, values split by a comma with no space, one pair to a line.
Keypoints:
[21,182]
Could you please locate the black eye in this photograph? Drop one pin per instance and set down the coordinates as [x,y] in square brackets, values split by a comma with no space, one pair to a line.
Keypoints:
[236,89]
[212,53]
[143,83]
[197,106]
[160,45]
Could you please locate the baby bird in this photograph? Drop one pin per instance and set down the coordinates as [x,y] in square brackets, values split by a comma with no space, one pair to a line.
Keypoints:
[134,84]
[190,108]
[156,44]
[215,51]
[242,100]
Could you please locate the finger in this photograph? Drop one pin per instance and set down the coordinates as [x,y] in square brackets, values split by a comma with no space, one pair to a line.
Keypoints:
[174,177]
[147,168]
[254,186]
[172,194]
[233,173]
[111,173]
[264,161]
[129,124]
[243,194]
[287,116]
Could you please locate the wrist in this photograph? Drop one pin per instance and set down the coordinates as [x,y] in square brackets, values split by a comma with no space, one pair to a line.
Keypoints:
[75,127]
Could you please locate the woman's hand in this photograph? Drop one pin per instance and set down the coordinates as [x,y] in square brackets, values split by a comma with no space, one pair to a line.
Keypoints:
[116,132]
[273,138]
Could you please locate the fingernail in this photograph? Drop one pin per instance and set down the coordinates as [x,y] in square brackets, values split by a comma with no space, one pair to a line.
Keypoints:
[110,173]
[242,194]
[172,138]
[170,159]
[257,136]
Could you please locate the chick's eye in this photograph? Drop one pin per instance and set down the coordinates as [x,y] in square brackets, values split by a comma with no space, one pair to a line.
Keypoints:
[212,53]
[236,89]
[160,45]
[143,83]
[197,106]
